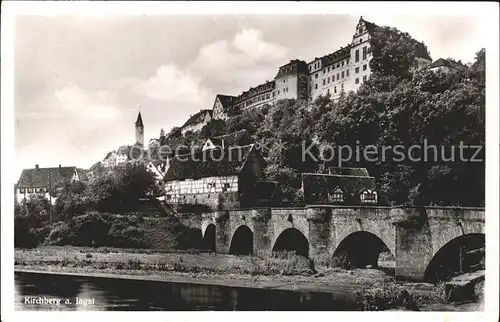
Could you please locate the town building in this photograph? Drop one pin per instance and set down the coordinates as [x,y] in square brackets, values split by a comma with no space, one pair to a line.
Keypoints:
[341,186]
[339,72]
[44,180]
[446,65]
[216,178]
[196,122]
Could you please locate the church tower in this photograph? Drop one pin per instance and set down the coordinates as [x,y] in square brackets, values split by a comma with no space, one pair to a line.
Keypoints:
[139,130]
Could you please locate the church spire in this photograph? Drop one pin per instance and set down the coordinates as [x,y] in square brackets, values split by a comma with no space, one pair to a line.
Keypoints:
[139,120]
[139,130]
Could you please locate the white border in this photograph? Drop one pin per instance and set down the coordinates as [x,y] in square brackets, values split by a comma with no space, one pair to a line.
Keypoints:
[488,11]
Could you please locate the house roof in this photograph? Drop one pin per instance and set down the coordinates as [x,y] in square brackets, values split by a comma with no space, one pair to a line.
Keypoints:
[197,118]
[317,187]
[82,174]
[358,172]
[226,101]
[45,177]
[441,62]
[237,138]
[208,163]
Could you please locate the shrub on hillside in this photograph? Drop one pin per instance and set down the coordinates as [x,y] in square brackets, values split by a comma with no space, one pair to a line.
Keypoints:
[61,234]
[125,234]
[92,229]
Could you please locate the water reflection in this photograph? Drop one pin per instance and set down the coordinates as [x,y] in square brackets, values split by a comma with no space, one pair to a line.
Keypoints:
[121,294]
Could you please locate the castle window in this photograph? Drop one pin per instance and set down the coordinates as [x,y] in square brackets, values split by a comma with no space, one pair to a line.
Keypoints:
[22,190]
[357,70]
[324,81]
[324,71]
[347,61]
[309,68]
[338,76]
[357,55]
[278,91]
[338,65]
[337,196]
[364,67]
[335,89]
[365,52]
[328,79]
[357,81]
[342,74]
[368,196]
[274,94]
[316,76]
[364,78]
[347,72]
[316,86]
[342,86]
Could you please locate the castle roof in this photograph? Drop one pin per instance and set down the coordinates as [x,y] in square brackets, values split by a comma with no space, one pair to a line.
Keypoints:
[370,26]
[209,163]
[45,177]
[197,118]
[139,120]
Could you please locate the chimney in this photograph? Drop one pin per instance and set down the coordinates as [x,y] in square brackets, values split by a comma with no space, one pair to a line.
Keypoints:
[59,166]
[36,166]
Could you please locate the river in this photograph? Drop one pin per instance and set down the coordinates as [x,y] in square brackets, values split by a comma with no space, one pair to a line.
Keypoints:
[61,292]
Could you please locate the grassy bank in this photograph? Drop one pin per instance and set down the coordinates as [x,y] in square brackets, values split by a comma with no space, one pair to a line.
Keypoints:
[376,289]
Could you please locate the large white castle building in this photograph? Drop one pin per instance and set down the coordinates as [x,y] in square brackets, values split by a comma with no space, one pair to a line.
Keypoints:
[341,71]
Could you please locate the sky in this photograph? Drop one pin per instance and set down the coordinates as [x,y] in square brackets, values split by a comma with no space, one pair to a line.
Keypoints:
[79,82]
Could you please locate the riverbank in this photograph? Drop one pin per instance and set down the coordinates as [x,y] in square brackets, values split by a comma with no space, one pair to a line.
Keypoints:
[287,273]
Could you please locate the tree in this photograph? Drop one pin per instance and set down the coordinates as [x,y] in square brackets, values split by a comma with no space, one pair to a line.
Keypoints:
[123,190]
[175,133]
[214,127]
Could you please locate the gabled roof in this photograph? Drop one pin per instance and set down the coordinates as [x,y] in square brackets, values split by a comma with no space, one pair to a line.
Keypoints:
[370,26]
[45,177]
[317,187]
[197,118]
[82,174]
[209,163]
[237,138]
[226,101]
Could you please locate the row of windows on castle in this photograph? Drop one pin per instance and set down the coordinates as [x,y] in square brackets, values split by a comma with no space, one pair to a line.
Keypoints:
[340,64]
[33,190]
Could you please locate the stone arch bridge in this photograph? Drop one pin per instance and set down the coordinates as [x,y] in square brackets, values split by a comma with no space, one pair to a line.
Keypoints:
[422,240]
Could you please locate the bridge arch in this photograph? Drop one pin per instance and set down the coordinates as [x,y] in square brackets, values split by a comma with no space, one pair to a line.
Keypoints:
[359,249]
[208,239]
[461,254]
[384,231]
[241,241]
[292,239]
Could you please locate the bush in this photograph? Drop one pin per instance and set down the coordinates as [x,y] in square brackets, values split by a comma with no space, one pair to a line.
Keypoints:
[61,234]
[342,260]
[384,298]
[91,229]
[125,234]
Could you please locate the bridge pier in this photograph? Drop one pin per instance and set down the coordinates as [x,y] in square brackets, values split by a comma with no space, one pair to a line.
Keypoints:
[222,240]
[413,243]
[320,229]
[261,238]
